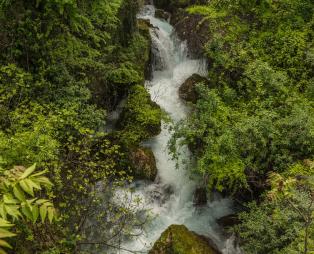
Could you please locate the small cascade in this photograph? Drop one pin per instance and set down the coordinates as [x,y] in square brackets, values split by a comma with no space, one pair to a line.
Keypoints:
[170,198]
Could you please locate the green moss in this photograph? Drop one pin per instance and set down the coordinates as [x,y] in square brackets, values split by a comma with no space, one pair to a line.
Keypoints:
[177,239]
[141,117]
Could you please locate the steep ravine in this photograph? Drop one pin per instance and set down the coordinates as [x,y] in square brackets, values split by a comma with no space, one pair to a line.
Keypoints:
[170,197]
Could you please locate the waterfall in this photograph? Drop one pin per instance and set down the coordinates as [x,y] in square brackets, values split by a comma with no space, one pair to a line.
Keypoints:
[170,198]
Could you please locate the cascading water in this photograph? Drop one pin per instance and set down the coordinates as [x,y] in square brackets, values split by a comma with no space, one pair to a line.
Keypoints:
[170,197]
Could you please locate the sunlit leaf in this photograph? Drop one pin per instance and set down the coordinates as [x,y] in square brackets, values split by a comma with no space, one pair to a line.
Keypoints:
[5,233]
[28,171]
[5,244]
[19,194]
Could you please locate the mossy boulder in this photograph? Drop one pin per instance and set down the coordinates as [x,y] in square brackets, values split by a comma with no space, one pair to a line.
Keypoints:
[188,90]
[143,163]
[161,14]
[140,118]
[144,27]
[177,239]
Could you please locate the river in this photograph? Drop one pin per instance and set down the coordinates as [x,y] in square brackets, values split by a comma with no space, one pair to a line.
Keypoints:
[170,198]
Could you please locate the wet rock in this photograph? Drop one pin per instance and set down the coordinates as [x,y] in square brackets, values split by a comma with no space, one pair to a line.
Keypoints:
[161,193]
[200,196]
[161,14]
[228,221]
[143,163]
[193,29]
[177,239]
[158,56]
[144,27]
[187,90]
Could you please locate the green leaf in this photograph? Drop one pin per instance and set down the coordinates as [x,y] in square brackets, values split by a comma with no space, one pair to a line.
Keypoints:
[41,201]
[44,180]
[3,212]
[5,233]
[13,211]
[8,199]
[5,223]
[40,173]
[19,194]
[33,184]
[5,244]
[28,171]
[43,212]
[35,213]
[26,187]
[51,212]
[27,212]
[2,251]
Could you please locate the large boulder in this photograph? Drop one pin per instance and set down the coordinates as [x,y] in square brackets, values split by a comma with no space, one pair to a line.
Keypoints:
[161,14]
[143,163]
[200,196]
[228,221]
[144,27]
[193,29]
[187,90]
[177,239]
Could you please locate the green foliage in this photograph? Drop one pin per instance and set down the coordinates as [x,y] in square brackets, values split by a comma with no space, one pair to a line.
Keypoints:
[5,233]
[63,64]
[283,223]
[259,118]
[19,202]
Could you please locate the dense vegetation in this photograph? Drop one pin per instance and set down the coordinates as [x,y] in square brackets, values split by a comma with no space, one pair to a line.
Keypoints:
[63,65]
[259,117]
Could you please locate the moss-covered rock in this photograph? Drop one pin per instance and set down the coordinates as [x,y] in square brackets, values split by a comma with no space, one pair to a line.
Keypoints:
[140,118]
[143,163]
[144,26]
[132,65]
[188,91]
[177,239]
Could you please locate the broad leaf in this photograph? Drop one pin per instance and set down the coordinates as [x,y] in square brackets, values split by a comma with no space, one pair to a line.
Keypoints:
[5,233]
[43,212]
[28,171]
[5,223]
[19,194]
[26,187]
[5,244]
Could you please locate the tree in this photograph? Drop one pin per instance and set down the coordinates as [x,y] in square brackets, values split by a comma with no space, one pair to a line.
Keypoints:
[284,221]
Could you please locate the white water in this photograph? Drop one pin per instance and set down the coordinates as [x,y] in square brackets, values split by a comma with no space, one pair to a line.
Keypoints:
[170,197]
